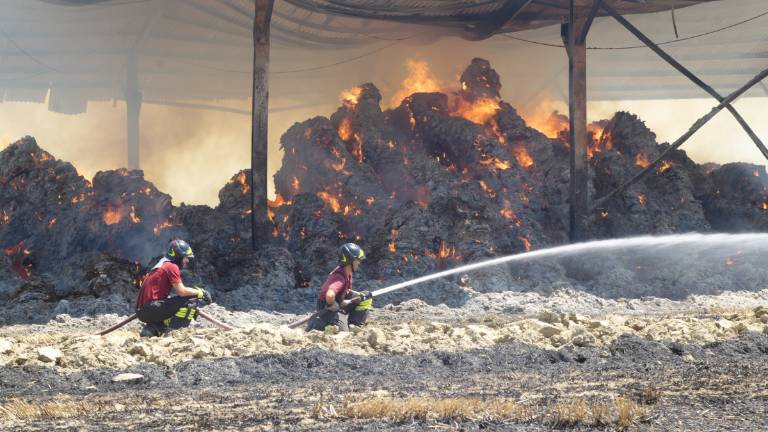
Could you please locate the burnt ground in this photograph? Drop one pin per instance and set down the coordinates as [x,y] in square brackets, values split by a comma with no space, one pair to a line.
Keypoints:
[715,386]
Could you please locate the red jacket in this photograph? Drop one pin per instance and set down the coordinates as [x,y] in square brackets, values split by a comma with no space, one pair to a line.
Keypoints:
[339,283]
[157,285]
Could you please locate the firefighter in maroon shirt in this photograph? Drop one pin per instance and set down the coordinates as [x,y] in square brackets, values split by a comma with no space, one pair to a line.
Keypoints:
[337,297]
[154,307]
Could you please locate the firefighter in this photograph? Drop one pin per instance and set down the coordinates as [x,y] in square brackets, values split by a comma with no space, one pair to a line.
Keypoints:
[338,306]
[154,307]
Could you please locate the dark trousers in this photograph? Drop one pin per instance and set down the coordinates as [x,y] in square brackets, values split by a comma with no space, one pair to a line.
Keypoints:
[172,312]
[342,318]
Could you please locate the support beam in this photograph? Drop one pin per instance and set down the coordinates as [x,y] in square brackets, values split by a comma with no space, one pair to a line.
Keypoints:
[260,121]
[674,63]
[133,110]
[680,141]
[577,114]
[591,17]
[497,20]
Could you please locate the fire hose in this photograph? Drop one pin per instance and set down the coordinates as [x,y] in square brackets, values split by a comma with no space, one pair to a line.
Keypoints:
[306,319]
[202,314]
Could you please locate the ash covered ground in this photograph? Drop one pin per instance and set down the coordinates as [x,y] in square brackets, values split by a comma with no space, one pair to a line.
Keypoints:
[669,337]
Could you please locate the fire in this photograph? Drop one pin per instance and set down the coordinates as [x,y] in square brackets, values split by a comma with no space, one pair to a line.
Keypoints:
[603,214]
[5,219]
[295,185]
[641,160]
[444,252]
[392,237]
[51,223]
[345,129]
[161,226]
[77,198]
[330,201]
[507,213]
[491,193]
[498,164]
[112,215]
[600,137]
[350,97]
[757,173]
[522,156]
[132,214]
[765,205]
[479,111]
[554,125]
[370,200]
[278,202]
[242,180]
[357,148]
[641,199]
[664,166]
[419,80]
[526,243]
[729,261]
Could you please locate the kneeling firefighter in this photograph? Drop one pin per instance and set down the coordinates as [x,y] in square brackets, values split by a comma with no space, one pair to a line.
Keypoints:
[154,307]
[338,305]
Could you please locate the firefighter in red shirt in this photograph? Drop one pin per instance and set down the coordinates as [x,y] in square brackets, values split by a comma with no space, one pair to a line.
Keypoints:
[337,297]
[154,307]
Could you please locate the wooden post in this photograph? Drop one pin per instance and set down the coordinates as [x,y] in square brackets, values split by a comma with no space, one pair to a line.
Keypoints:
[259,130]
[133,111]
[577,114]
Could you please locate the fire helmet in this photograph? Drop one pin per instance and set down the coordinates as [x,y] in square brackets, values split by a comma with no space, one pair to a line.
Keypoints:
[350,252]
[177,250]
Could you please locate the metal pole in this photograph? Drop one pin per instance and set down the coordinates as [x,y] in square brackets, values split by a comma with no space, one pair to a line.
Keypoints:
[577,114]
[260,121]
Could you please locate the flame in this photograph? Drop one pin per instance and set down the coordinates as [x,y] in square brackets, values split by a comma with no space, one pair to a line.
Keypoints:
[641,160]
[51,223]
[664,166]
[112,215]
[134,218]
[765,205]
[554,125]
[480,111]
[370,200]
[526,243]
[419,80]
[77,198]
[161,226]
[491,193]
[330,200]
[295,185]
[509,214]
[522,156]
[345,129]
[4,218]
[757,173]
[278,202]
[601,139]
[392,237]
[496,164]
[350,97]
[603,214]
[641,199]
[357,148]
[242,180]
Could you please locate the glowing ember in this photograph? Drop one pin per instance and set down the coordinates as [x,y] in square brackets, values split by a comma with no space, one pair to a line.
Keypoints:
[5,219]
[641,199]
[370,200]
[330,200]
[526,243]
[419,80]
[480,111]
[345,129]
[603,214]
[161,226]
[641,160]
[357,148]
[507,213]
[522,156]
[497,164]
[295,185]
[664,166]
[242,180]
[350,97]
[491,193]
[77,198]
[132,214]
[392,237]
[757,173]
[112,215]
[729,261]
[765,205]
[51,223]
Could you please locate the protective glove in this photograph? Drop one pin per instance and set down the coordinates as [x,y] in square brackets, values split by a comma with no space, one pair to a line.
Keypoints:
[204,295]
[365,295]
[346,303]
[333,308]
